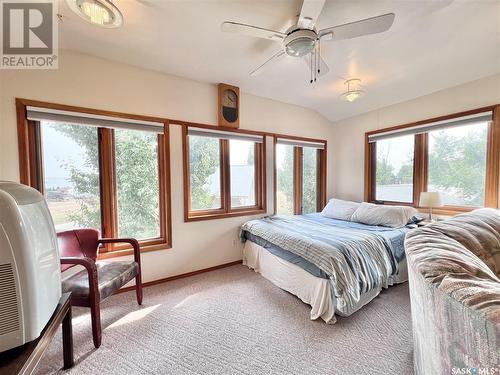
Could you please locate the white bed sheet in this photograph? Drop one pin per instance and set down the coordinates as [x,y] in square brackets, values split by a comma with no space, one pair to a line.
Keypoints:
[312,290]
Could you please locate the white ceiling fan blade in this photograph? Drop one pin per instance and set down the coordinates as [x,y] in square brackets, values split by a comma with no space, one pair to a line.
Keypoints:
[258,32]
[311,9]
[367,26]
[269,61]
[323,67]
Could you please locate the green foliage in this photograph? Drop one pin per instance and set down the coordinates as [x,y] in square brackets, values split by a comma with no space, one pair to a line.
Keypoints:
[458,164]
[203,163]
[137,184]
[405,174]
[309,180]
[86,183]
[137,181]
[385,171]
[285,182]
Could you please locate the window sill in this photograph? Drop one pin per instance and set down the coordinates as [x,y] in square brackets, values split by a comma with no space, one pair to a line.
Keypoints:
[211,216]
[124,251]
[445,210]
[449,210]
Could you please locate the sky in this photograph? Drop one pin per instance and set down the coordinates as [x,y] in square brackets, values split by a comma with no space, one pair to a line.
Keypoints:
[59,149]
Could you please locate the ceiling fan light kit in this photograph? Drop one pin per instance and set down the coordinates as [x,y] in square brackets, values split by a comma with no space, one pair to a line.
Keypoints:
[303,40]
[102,13]
[353,91]
[300,42]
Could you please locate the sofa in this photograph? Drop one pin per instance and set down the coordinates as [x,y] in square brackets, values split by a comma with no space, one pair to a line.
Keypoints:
[454,270]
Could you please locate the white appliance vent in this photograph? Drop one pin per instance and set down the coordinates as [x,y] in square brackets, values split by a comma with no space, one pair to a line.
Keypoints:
[9,312]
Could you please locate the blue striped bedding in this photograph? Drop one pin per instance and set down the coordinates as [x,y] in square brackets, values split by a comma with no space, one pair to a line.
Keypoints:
[356,258]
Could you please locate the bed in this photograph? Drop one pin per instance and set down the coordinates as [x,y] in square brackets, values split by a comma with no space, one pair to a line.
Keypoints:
[333,265]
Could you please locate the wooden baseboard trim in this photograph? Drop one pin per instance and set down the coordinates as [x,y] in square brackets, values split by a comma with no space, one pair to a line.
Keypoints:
[181,276]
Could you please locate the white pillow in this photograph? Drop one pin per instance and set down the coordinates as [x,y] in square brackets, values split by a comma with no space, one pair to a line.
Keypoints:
[384,215]
[339,209]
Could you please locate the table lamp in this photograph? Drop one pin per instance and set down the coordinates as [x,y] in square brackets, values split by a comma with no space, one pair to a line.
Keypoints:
[430,200]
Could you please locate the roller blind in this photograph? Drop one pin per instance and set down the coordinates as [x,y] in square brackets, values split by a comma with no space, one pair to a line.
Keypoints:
[45,114]
[438,125]
[297,143]
[202,132]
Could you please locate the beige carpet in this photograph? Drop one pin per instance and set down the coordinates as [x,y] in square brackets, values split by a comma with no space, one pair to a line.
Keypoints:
[233,321]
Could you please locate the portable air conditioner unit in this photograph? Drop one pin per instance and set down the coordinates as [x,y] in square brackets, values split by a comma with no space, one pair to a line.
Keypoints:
[30,276]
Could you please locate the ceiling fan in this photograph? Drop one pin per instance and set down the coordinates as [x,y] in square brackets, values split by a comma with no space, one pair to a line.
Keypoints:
[304,41]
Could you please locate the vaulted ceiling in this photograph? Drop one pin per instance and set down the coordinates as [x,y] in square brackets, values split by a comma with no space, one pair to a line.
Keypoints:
[432,45]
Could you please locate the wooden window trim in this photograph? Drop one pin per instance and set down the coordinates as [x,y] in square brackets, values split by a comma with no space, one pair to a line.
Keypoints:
[297,174]
[31,171]
[421,162]
[225,210]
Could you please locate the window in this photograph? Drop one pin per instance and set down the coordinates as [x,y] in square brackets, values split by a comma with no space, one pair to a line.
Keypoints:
[458,156]
[100,171]
[242,173]
[394,169]
[284,179]
[71,174]
[309,180]
[224,173]
[205,177]
[457,164]
[300,176]
[137,184]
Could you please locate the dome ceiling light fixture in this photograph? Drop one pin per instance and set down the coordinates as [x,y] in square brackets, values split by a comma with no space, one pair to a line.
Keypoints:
[353,91]
[102,13]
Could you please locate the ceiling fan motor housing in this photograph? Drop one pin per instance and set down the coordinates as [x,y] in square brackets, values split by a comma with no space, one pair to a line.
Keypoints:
[300,42]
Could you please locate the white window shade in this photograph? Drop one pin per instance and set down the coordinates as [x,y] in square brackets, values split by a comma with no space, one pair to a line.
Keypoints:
[438,125]
[79,118]
[298,143]
[202,132]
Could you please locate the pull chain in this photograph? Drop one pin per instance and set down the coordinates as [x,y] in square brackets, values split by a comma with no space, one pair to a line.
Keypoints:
[315,62]
[319,56]
[311,68]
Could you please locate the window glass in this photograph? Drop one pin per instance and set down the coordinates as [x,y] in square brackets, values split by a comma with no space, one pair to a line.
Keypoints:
[242,173]
[204,170]
[71,174]
[394,169]
[137,184]
[457,164]
[309,180]
[284,179]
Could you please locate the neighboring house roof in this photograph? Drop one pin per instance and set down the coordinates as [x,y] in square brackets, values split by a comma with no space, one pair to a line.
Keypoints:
[242,178]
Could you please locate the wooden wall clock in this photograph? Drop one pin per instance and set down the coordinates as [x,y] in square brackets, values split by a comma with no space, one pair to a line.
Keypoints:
[229,106]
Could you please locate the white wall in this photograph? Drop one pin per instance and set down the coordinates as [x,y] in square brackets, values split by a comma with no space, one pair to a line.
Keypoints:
[349,134]
[86,81]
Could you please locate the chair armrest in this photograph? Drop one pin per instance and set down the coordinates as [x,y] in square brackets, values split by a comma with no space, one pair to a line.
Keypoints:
[131,241]
[91,268]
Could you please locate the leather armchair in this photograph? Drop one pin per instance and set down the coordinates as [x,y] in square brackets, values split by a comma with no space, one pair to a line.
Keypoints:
[100,279]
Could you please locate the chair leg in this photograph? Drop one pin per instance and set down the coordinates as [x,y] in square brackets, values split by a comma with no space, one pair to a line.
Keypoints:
[95,314]
[138,288]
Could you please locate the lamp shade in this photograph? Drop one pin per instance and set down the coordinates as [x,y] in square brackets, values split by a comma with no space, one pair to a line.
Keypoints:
[430,199]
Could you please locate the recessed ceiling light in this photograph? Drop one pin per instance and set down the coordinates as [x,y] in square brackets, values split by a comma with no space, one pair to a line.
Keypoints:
[98,12]
[353,91]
